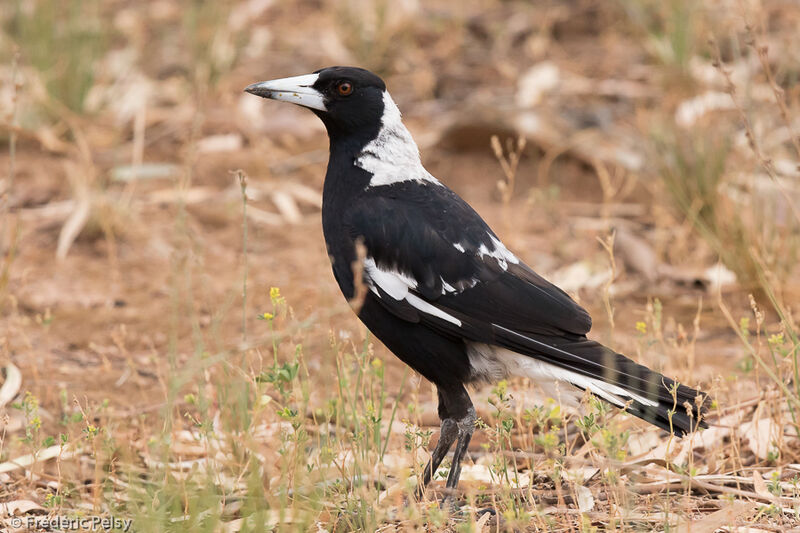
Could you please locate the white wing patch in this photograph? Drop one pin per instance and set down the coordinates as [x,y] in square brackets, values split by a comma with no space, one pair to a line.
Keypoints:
[446,287]
[499,252]
[397,286]
[393,283]
[393,156]
[425,307]
[492,363]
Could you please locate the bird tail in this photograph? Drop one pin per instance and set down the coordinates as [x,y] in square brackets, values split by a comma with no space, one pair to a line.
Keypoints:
[613,377]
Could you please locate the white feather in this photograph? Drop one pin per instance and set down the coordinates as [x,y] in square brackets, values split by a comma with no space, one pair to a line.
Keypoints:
[446,287]
[492,363]
[397,285]
[499,252]
[425,307]
[393,283]
[393,156]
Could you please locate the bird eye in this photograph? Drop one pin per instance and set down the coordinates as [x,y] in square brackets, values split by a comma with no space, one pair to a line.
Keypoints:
[345,88]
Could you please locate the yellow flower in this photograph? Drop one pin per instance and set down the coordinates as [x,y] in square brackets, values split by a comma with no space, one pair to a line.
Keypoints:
[775,340]
[502,387]
[376,363]
[274,293]
[266,316]
[641,327]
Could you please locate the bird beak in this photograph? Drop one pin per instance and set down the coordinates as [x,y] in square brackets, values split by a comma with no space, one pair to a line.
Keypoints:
[296,90]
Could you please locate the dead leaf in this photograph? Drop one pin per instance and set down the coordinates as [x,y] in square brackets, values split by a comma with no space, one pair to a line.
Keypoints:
[18,507]
[691,110]
[306,194]
[287,207]
[229,142]
[536,82]
[477,472]
[11,385]
[760,435]
[759,485]
[147,171]
[193,195]
[585,499]
[398,489]
[636,253]
[579,275]
[260,216]
[481,522]
[73,225]
[719,276]
[718,519]
[29,459]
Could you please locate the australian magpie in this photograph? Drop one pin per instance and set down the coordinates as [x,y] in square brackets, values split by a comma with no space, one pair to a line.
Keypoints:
[441,290]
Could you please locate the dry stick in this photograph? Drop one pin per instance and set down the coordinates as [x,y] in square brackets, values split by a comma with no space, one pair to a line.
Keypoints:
[137,154]
[608,245]
[762,51]
[755,355]
[749,402]
[769,168]
[12,137]
[509,165]
[243,184]
[743,493]
[6,200]
[609,190]
[788,326]
[751,137]
[711,487]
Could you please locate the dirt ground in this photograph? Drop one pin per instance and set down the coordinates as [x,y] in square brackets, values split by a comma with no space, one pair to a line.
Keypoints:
[112,286]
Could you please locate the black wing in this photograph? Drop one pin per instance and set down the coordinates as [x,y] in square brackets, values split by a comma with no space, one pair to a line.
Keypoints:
[431,259]
[430,254]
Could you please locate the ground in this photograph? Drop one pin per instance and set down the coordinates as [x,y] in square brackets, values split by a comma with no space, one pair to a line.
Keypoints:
[178,356]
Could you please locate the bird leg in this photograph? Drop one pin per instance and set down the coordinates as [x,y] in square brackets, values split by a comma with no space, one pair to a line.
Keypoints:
[458,423]
[447,436]
[466,426]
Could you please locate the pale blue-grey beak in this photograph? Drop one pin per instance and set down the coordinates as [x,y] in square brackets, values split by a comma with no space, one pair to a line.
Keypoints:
[296,90]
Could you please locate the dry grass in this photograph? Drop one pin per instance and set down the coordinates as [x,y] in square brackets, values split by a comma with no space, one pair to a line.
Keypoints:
[176,352]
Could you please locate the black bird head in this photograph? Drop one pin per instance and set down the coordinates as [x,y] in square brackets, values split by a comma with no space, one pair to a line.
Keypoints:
[349,100]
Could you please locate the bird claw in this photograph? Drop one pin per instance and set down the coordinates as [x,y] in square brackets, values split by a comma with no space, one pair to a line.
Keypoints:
[455,508]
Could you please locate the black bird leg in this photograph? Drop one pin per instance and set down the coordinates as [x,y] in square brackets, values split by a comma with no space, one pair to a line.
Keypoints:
[466,426]
[447,435]
[458,423]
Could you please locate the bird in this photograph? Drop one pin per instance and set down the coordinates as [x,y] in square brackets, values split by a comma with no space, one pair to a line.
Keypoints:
[432,281]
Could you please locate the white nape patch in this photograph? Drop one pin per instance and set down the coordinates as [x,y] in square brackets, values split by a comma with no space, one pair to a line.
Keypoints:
[499,252]
[458,246]
[397,286]
[492,363]
[393,156]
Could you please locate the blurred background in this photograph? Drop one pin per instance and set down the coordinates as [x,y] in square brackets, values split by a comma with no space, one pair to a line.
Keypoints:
[169,318]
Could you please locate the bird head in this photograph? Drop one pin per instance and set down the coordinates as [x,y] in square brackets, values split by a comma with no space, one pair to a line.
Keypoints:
[349,100]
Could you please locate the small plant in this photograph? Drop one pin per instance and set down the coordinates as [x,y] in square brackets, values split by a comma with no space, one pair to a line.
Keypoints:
[64,41]
[668,30]
[373,30]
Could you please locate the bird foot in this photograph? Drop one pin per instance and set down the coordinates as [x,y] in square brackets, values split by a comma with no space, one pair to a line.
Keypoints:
[456,506]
